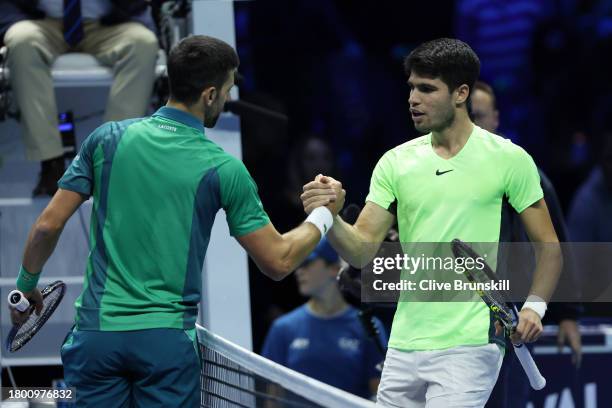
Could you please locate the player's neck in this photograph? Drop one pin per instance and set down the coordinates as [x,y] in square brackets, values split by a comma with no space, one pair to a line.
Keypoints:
[327,305]
[450,140]
[193,109]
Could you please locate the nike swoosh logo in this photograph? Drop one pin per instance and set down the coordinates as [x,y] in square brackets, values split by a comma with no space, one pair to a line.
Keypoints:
[439,173]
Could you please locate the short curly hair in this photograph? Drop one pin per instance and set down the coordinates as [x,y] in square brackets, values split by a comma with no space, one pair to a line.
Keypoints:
[449,59]
[196,63]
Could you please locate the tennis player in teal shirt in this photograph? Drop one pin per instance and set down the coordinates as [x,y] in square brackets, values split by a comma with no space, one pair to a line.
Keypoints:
[157,184]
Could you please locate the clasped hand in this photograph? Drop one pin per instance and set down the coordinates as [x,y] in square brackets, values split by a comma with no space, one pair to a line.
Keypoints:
[323,191]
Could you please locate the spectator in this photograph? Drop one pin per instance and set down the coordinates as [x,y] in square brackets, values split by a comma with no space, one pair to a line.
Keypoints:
[590,220]
[37,32]
[513,390]
[324,338]
[590,215]
[502,34]
[310,156]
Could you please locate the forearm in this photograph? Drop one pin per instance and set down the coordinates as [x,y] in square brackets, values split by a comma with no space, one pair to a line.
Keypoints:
[277,255]
[41,242]
[358,243]
[296,245]
[549,262]
[351,244]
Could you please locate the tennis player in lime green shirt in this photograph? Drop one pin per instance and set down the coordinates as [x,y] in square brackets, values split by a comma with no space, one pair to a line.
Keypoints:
[446,184]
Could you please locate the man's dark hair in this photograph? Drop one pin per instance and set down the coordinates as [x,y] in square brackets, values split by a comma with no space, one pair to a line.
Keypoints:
[452,60]
[196,63]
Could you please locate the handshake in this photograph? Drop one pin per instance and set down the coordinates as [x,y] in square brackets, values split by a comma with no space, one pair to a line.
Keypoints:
[323,191]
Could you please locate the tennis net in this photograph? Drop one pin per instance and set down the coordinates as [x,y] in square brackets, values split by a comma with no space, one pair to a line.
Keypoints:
[232,376]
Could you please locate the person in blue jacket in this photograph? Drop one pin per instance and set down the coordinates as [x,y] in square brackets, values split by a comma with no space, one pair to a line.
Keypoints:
[324,337]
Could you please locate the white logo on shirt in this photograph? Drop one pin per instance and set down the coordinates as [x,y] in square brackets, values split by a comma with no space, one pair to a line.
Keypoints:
[299,343]
[348,344]
[167,127]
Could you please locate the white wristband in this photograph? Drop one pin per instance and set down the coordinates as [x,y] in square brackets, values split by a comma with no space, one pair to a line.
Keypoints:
[321,218]
[535,303]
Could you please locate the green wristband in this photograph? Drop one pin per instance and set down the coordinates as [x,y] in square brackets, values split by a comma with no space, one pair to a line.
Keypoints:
[26,281]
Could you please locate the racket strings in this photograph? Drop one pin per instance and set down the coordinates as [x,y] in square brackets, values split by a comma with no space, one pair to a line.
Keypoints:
[51,298]
[495,300]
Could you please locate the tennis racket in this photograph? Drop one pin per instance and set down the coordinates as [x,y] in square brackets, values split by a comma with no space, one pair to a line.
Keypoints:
[22,333]
[503,310]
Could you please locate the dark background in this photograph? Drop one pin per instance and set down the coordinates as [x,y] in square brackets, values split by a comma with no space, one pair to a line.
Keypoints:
[335,68]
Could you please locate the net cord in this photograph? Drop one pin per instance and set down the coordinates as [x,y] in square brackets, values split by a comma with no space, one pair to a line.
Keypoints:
[300,384]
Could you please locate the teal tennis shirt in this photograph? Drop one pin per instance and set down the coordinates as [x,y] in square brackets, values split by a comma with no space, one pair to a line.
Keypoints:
[157,184]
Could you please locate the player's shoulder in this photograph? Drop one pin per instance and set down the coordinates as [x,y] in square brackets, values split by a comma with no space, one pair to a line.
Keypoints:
[413,144]
[121,126]
[409,148]
[113,130]
[498,144]
[104,131]
[228,165]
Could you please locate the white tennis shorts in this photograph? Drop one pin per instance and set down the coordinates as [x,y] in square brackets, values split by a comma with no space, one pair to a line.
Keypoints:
[457,377]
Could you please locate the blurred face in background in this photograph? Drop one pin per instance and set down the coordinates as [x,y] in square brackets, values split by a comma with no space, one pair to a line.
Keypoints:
[316,158]
[483,111]
[315,276]
[432,106]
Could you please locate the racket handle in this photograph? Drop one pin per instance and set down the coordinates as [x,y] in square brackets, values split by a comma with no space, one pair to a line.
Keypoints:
[531,369]
[17,301]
